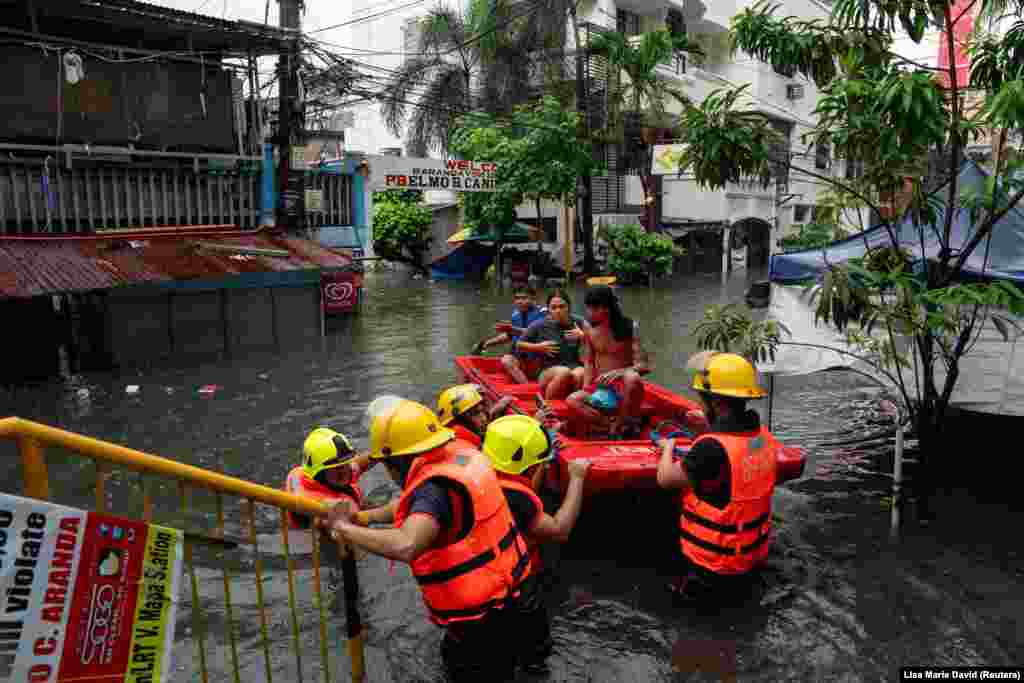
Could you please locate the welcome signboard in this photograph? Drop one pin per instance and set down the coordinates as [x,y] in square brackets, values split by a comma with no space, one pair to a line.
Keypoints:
[456,175]
[84,596]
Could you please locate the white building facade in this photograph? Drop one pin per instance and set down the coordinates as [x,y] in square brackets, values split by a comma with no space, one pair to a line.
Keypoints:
[737,215]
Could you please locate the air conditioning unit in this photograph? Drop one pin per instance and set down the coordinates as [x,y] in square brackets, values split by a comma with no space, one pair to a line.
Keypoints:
[794,92]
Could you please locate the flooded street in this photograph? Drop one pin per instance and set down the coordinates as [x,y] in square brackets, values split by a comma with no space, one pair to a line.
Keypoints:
[836,602]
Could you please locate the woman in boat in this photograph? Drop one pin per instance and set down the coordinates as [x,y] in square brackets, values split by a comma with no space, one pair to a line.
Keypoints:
[329,473]
[519,448]
[558,338]
[726,482]
[463,410]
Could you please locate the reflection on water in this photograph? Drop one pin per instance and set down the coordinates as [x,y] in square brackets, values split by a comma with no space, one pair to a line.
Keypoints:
[820,612]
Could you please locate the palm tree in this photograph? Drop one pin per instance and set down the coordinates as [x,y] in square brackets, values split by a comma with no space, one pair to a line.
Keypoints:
[644,91]
[466,62]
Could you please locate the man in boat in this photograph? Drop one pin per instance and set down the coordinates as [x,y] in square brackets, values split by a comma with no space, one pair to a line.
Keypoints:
[557,339]
[329,473]
[464,410]
[521,368]
[726,480]
[453,527]
[613,357]
[520,448]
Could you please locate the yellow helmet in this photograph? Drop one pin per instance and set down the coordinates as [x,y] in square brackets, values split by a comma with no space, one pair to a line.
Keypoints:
[325,449]
[728,374]
[515,443]
[456,400]
[402,427]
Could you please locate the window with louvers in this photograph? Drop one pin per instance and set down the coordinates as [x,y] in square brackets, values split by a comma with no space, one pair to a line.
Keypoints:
[608,190]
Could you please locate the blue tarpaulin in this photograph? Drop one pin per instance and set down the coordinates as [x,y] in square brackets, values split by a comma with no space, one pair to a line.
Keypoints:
[468,260]
[1005,254]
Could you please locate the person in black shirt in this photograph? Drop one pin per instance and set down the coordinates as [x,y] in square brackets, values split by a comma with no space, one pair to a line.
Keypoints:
[558,337]
[707,472]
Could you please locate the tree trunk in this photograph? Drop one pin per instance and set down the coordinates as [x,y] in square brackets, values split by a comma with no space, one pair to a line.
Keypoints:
[540,227]
[929,429]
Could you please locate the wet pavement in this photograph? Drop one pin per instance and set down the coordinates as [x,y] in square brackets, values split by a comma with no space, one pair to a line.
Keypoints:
[836,601]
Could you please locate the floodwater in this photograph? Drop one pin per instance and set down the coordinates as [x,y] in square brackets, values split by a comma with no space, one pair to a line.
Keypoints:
[836,602]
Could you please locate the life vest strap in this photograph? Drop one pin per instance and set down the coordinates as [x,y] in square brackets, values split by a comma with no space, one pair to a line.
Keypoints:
[725,528]
[721,550]
[469,565]
[478,611]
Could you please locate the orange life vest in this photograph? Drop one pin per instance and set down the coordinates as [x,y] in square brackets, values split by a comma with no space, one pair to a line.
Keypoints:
[297,483]
[462,579]
[465,434]
[513,482]
[734,540]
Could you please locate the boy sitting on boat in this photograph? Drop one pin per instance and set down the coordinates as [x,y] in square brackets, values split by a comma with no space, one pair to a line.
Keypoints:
[521,367]
[329,471]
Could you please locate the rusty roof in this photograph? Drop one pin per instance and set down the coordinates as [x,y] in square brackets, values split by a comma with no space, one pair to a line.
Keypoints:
[37,266]
[126,22]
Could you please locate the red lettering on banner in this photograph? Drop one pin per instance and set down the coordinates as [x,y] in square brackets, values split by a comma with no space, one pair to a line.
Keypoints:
[44,647]
[56,591]
[39,673]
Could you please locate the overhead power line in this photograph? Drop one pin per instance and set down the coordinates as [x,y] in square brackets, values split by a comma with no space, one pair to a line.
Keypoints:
[368,18]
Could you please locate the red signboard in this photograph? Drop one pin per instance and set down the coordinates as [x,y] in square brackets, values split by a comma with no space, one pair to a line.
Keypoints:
[963,24]
[340,291]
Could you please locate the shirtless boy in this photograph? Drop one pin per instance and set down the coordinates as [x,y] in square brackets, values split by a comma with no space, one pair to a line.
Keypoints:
[613,355]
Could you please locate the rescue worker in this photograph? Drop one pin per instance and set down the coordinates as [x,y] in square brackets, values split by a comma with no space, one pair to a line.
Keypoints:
[519,448]
[726,479]
[454,528]
[329,473]
[463,410]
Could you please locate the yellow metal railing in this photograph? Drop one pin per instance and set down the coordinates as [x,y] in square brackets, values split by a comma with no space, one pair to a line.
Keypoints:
[32,438]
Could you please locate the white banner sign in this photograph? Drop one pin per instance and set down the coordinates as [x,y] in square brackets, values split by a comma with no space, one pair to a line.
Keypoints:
[665,159]
[406,173]
[85,596]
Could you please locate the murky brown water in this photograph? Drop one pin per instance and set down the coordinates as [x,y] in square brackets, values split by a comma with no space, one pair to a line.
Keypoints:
[836,602]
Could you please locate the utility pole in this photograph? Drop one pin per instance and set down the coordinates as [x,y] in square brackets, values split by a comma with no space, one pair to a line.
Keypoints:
[585,194]
[291,212]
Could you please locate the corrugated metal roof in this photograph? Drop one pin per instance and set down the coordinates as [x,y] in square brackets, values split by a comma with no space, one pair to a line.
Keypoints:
[37,266]
[89,19]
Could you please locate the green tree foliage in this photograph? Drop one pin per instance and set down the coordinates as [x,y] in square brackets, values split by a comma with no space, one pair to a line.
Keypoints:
[539,157]
[637,255]
[732,329]
[467,60]
[812,236]
[401,227]
[912,315]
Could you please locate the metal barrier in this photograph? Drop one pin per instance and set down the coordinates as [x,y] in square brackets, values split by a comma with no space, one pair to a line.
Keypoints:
[33,437]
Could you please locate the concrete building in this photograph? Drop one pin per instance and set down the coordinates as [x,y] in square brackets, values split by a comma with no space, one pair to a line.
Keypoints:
[744,218]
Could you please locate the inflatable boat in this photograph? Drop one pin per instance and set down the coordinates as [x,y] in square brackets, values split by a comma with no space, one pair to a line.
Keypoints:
[616,464]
